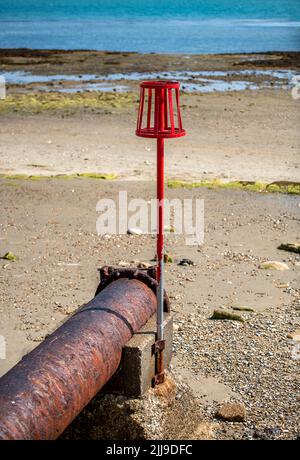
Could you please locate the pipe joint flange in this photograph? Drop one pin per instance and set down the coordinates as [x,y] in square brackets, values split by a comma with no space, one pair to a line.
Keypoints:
[146,275]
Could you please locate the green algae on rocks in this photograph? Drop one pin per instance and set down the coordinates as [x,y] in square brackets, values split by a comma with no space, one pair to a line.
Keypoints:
[37,103]
[10,256]
[91,175]
[218,314]
[291,247]
[274,187]
[244,309]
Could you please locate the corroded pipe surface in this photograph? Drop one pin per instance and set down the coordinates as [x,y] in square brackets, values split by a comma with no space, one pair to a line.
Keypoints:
[46,390]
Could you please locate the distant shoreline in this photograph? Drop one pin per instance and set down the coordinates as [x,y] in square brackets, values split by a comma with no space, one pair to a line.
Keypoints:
[79,50]
[107,71]
[42,61]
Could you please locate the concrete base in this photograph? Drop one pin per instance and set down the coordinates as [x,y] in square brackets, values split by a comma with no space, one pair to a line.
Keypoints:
[137,368]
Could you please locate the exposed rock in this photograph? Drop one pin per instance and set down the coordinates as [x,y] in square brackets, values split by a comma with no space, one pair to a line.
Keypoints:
[291,247]
[232,412]
[274,265]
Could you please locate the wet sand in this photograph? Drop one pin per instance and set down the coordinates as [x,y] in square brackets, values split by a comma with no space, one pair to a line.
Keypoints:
[233,135]
[250,136]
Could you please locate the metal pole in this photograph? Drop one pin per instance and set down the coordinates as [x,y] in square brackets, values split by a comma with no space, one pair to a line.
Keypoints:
[161,125]
[160,239]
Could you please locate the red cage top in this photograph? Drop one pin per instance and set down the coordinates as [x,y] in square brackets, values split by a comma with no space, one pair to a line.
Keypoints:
[159,110]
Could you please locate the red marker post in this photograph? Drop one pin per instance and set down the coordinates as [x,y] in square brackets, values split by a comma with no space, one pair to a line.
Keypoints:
[159,117]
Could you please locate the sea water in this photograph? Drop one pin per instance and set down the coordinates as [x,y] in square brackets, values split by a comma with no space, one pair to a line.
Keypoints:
[160,26]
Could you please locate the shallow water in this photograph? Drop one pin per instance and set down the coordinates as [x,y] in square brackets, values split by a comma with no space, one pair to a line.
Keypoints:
[202,81]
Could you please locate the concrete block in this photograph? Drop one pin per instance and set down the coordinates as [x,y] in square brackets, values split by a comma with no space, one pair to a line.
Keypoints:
[137,368]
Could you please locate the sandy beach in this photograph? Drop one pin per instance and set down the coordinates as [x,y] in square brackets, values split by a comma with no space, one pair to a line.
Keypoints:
[49,223]
[247,135]
[244,136]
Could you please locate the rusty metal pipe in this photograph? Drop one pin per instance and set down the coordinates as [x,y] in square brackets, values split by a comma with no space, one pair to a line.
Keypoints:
[46,390]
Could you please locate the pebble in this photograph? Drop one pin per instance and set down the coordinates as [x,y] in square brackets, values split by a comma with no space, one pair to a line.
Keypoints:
[9,256]
[186,262]
[232,412]
[134,231]
[292,247]
[274,265]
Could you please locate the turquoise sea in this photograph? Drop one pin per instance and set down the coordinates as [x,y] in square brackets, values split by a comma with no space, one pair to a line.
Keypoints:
[164,26]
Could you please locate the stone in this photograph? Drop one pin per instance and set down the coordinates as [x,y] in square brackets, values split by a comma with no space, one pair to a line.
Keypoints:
[291,247]
[274,265]
[218,314]
[205,431]
[242,308]
[294,335]
[232,412]
[134,231]
[186,262]
[9,256]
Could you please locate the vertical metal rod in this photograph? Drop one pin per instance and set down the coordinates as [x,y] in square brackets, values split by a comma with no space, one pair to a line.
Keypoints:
[170,95]
[166,108]
[141,109]
[178,109]
[160,238]
[149,108]
[160,234]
